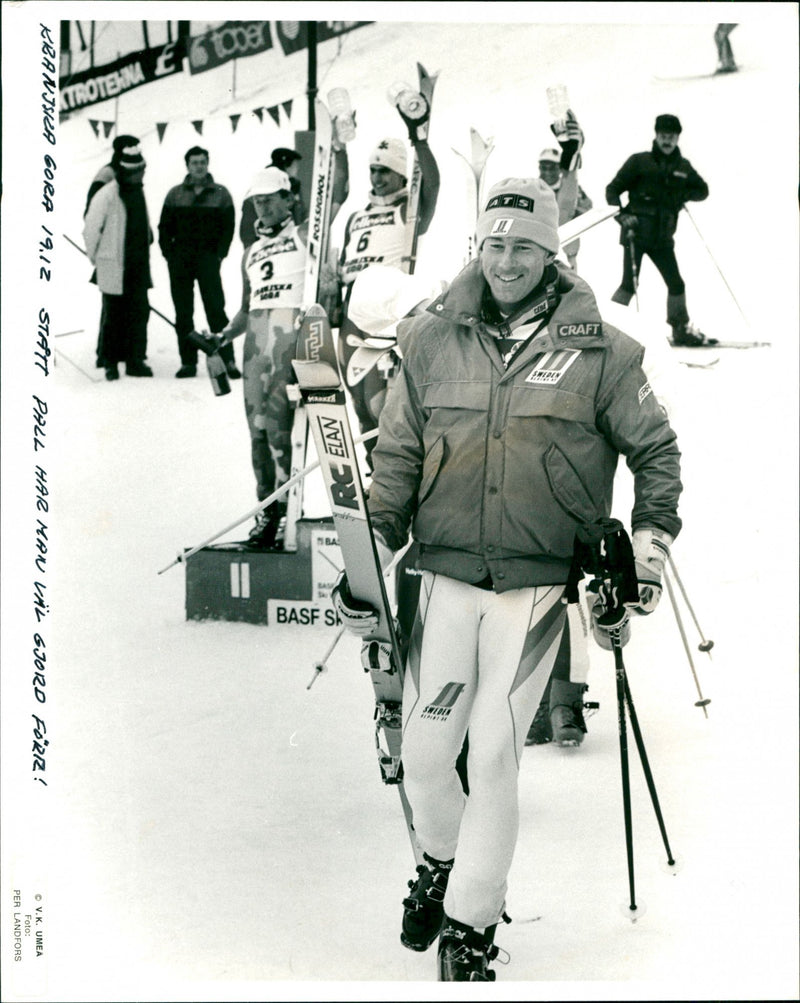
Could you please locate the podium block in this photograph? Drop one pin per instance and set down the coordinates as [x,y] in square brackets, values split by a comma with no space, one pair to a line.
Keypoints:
[231,582]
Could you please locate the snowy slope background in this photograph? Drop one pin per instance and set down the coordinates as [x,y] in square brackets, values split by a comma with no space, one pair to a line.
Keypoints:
[212,829]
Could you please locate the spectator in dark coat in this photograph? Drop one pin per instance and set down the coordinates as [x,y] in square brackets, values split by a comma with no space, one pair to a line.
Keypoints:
[658,183]
[195,233]
[287,161]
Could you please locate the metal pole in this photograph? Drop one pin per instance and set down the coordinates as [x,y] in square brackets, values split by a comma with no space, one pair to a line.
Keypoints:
[705,645]
[312,74]
[182,558]
[708,249]
[152,308]
[651,786]
[623,754]
[702,702]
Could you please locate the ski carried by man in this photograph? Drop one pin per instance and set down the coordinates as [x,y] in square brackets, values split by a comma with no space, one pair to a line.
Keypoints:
[480,150]
[328,176]
[325,400]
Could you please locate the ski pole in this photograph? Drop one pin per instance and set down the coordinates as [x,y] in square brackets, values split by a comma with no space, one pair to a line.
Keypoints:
[183,557]
[61,355]
[83,252]
[702,702]
[651,786]
[616,643]
[713,259]
[322,665]
[704,645]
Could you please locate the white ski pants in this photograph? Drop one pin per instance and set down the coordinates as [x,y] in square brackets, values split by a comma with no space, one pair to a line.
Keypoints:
[477,662]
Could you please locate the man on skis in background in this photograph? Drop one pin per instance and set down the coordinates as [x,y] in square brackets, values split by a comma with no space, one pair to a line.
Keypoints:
[658,182]
[500,437]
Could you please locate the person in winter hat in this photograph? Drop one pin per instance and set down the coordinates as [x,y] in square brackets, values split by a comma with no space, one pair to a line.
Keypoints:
[103,176]
[117,234]
[288,161]
[499,438]
[273,276]
[658,183]
[195,233]
[380,234]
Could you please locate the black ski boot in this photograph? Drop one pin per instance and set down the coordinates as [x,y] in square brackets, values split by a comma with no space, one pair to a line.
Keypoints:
[689,336]
[424,907]
[267,534]
[566,712]
[465,953]
[540,731]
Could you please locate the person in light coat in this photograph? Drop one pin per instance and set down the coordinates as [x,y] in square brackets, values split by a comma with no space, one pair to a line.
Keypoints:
[117,235]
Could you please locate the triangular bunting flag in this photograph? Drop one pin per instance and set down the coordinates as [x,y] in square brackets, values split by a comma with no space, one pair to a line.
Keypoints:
[95,127]
[161,128]
[234,121]
[107,128]
[259,113]
[198,126]
[275,114]
[287,107]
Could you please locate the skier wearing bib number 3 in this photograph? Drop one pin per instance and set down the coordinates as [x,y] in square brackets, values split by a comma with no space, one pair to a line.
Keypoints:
[377,234]
[500,437]
[273,273]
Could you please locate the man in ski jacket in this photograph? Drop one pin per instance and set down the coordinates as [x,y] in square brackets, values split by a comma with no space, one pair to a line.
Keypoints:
[499,438]
[658,182]
[195,233]
[117,234]
[378,234]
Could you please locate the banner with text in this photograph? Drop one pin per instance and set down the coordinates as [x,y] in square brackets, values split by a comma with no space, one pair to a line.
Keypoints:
[232,40]
[293,35]
[88,87]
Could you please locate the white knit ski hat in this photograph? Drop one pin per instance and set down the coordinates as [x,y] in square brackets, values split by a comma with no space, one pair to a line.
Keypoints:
[268,181]
[391,153]
[520,207]
[549,156]
[382,295]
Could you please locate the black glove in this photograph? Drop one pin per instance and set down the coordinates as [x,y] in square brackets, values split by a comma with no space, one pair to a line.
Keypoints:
[358,617]
[608,625]
[570,138]
[629,224]
[417,125]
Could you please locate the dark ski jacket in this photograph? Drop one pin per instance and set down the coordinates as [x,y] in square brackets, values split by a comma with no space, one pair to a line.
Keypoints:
[191,223]
[658,186]
[493,468]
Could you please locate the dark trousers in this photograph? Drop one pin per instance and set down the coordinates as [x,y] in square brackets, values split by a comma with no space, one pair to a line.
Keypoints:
[124,320]
[184,271]
[664,260]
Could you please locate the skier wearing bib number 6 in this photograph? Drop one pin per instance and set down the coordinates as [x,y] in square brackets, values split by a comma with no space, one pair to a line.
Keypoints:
[377,234]
[499,437]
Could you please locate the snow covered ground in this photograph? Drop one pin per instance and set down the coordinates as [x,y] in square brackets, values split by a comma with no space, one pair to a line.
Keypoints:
[212,829]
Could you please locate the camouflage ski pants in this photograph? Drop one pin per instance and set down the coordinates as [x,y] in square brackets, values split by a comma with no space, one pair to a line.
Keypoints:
[266,370]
